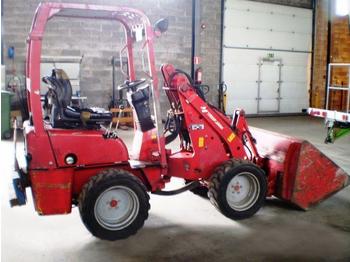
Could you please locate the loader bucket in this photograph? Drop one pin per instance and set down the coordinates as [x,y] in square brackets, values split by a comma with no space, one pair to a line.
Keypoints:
[297,171]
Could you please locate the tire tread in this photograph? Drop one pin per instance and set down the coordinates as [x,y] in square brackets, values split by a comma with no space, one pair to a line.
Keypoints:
[217,178]
[105,175]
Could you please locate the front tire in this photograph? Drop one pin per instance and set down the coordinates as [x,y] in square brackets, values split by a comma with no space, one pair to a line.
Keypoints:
[238,189]
[114,204]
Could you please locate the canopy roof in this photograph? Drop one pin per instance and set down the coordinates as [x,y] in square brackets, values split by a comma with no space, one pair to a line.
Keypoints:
[128,16]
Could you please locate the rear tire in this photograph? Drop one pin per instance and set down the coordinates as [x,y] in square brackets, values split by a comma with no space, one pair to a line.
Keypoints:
[114,204]
[238,189]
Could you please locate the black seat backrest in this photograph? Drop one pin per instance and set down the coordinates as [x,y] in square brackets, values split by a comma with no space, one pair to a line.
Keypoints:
[64,116]
[63,78]
[61,86]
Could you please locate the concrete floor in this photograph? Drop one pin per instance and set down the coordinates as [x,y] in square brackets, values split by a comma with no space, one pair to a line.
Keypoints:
[188,228]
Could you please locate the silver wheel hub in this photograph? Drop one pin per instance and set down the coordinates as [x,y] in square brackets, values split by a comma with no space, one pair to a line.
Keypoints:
[242,191]
[116,208]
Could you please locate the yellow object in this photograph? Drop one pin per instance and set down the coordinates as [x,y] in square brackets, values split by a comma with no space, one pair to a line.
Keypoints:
[201,141]
[124,116]
[85,116]
[231,137]
[15,113]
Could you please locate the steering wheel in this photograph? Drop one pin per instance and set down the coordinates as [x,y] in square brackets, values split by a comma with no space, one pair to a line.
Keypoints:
[131,84]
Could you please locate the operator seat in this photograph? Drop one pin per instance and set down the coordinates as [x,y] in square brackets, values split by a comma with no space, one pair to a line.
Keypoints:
[64,116]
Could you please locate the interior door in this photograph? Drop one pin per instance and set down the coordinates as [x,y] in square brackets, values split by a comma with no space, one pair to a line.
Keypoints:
[269,87]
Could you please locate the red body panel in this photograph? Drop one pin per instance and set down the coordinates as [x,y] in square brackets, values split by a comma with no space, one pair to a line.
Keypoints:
[145,146]
[54,183]
[52,191]
[88,146]
[193,167]
[39,148]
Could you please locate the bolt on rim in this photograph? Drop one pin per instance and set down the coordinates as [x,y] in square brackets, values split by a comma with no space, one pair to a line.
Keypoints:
[116,208]
[243,191]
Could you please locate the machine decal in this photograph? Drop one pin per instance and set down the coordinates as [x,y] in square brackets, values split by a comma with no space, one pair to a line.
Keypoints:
[215,120]
[197,127]
[201,141]
[231,137]
[204,109]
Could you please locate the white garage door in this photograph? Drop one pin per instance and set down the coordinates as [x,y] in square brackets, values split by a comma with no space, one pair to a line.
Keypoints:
[266,57]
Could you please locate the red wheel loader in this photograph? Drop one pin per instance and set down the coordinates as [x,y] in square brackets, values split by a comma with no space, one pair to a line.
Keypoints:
[72,160]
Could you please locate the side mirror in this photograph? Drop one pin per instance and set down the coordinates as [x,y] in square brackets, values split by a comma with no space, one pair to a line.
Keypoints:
[161,26]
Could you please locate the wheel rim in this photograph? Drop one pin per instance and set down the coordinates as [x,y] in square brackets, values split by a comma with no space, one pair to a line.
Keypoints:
[116,208]
[242,191]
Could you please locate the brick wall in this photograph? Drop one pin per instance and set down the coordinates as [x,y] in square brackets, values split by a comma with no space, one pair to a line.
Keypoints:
[339,53]
[319,74]
[98,40]
[210,46]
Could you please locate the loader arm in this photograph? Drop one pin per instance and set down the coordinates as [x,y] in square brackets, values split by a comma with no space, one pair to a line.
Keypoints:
[297,171]
[234,135]
[213,136]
